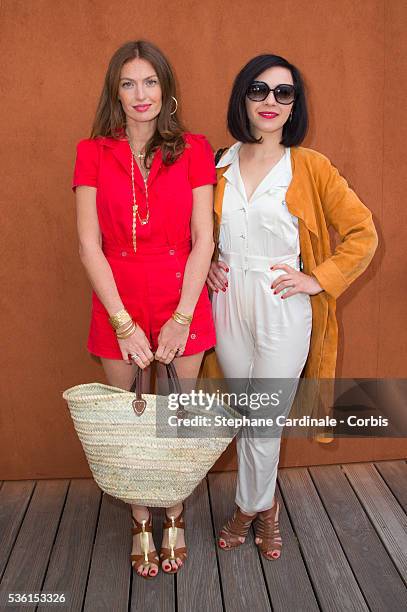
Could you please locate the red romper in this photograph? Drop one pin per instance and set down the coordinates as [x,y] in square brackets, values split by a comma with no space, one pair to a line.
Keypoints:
[149,281]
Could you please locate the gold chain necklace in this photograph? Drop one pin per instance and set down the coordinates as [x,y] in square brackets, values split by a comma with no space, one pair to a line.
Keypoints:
[138,155]
[135,205]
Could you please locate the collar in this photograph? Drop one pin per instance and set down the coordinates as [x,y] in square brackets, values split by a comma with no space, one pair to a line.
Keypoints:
[121,151]
[229,156]
[109,141]
[279,176]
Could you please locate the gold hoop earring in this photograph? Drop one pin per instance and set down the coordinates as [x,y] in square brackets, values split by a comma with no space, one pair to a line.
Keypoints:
[176,106]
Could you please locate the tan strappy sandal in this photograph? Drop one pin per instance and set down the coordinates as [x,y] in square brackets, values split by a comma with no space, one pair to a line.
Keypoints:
[237,526]
[266,527]
[146,558]
[173,523]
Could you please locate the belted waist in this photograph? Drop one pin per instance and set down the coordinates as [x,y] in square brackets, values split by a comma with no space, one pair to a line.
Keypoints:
[145,250]
[258,262]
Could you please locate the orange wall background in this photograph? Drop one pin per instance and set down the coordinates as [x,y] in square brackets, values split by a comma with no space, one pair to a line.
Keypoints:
[54,56]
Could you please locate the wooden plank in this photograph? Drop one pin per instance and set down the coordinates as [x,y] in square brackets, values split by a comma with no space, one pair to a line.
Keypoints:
[388,518]
[279,574]
[159,592]
[71,555]
[198,583]
[14,499]
[25,570]
[333,581]
[372,566]
[109,576]
[243,585]
[395,475]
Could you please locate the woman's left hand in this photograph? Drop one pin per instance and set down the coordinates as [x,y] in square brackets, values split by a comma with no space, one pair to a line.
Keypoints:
[171,341]
[297,281]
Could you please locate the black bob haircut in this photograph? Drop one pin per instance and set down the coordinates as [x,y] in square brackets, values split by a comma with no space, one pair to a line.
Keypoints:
[294,131]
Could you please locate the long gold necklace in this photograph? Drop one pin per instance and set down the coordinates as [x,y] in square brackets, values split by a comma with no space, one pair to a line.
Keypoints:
[135,205]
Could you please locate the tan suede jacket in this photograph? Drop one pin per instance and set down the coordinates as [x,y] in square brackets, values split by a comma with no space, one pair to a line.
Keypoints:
[321,198]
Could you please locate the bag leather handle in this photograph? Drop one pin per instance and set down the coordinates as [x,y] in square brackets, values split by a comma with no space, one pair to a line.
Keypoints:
[139,404]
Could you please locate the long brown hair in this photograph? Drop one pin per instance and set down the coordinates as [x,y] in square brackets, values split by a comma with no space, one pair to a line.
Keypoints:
[110,119]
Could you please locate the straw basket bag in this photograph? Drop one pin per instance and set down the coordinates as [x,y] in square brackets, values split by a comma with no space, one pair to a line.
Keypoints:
[123,436]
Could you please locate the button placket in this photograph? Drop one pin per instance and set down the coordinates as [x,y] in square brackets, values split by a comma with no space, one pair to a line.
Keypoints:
[246,243]
[178,274]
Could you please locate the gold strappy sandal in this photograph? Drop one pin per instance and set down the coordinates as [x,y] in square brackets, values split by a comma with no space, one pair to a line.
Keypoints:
[146,558]
[237,526]
[267,528]
[171,554]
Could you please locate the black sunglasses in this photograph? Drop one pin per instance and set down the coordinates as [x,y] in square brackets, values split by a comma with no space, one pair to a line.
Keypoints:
[259,90]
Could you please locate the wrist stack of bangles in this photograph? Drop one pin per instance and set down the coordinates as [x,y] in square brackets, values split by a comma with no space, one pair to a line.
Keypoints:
[182,318]
[120,319]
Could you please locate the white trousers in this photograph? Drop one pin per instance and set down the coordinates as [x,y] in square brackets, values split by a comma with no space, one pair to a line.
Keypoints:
[262,339]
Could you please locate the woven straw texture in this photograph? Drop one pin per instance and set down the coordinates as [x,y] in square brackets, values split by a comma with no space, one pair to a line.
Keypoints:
[127,458]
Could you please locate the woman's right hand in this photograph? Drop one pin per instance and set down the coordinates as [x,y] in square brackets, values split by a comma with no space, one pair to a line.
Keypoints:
[217,278]
[139,344]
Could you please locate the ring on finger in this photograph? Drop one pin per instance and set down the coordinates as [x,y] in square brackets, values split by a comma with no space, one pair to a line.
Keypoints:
[134,356]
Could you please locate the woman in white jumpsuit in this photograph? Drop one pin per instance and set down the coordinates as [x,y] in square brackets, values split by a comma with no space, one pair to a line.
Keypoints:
[261,337]
[263,328]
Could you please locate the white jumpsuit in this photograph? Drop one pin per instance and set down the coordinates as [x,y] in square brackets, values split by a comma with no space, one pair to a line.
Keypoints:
[260,337]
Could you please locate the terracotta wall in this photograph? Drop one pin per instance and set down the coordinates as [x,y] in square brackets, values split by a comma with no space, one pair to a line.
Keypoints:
[54,55]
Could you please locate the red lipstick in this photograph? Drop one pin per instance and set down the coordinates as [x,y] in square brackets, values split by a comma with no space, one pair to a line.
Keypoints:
[268,115]
[142,108]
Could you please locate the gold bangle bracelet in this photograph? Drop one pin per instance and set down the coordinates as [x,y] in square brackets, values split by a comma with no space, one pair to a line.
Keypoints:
[128,326]
[124,336]
[183,316]
[125,327]
[180,320]
[131,332]
[128,333]
[119,318]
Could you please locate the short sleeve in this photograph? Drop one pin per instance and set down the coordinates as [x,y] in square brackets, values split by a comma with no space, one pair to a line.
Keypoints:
[201,167]
[86,165]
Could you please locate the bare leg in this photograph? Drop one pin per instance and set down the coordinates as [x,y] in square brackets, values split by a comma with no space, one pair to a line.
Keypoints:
[120,374]
[187,369]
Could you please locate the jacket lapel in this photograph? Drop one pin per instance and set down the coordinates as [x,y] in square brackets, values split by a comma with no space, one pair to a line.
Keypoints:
[220,190]
[299,198]
[217,207]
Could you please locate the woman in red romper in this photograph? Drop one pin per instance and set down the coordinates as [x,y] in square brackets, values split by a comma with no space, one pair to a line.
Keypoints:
[144,213]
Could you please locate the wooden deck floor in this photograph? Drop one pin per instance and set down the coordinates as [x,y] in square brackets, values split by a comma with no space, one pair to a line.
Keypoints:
[344,530]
